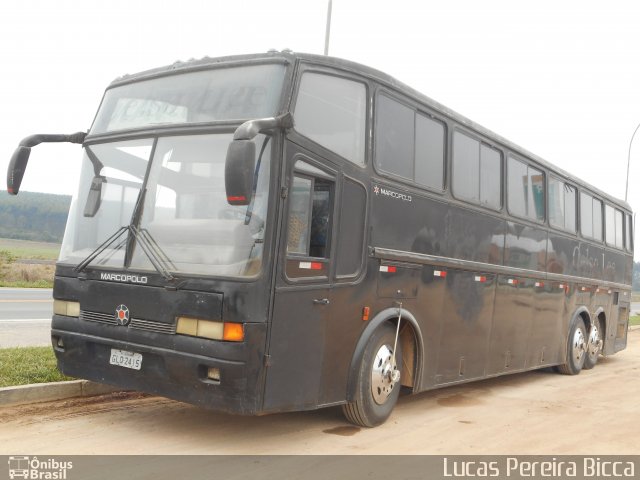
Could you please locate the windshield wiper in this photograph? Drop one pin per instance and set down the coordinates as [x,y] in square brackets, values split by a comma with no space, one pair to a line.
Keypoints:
[101,248]
[158,258]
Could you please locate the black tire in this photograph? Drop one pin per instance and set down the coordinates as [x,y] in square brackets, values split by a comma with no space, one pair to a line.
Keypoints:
[593,351]
[366,411]
[574,361]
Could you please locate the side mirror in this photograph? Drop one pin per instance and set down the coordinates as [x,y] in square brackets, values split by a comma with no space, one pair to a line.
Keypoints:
[20,157]
[239,171]
[17,166]
[94,199]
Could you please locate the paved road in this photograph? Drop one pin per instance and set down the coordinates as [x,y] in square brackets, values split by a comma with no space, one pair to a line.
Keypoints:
[25,316]
[21,303]
[594,413]
[635,308]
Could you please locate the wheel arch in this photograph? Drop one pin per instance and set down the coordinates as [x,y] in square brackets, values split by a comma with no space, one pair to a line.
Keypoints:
[583,314]
[387,315]
[602,315]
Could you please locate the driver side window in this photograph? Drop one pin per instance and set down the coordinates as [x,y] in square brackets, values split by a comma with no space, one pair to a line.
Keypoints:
[309,222]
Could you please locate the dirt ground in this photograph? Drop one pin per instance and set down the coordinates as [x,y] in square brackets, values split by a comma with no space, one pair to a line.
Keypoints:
[596,412]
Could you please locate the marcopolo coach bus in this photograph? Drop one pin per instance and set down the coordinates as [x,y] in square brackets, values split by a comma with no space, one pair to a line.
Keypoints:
[279,232]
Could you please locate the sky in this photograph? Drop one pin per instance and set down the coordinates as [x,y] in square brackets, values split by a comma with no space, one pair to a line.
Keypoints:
[559,78]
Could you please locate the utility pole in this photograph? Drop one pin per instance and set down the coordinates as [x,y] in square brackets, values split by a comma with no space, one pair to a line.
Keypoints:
[626,190]
[328,31]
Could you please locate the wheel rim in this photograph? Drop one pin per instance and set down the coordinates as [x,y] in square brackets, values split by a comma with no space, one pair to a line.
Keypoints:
[384,375]
[595,343]
[579,346]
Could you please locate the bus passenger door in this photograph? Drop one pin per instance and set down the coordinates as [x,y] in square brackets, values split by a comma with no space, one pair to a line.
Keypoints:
[303,302]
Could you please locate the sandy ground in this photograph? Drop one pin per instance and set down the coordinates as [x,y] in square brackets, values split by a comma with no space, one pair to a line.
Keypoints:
[596,412]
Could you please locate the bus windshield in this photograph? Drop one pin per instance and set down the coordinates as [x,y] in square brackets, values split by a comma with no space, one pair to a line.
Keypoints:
[231,93]
[184,211]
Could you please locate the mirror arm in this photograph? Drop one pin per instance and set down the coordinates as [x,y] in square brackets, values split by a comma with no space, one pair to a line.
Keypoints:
[20,157]
[248,130]
[33,140]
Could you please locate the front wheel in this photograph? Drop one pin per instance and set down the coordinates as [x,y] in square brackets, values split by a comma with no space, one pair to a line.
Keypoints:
[378,385]
[576,349]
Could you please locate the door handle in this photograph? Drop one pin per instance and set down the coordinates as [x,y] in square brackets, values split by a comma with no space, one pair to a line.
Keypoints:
[321,301]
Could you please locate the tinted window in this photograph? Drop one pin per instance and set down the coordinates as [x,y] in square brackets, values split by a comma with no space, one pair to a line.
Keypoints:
[517,197]
[614,227]
[591,217]
[490,177]
[408,144]
[562,205]
[429,161]
[570,195]
[610,225]
[629,233]
[619,228]
[394,137]
[309,215]
[331,111]
[466,167]
[299,216]
[352,218]
[586,215]
[597,219]
[525,190]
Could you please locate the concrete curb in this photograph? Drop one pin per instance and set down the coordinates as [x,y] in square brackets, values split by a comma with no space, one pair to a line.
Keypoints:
[45,392]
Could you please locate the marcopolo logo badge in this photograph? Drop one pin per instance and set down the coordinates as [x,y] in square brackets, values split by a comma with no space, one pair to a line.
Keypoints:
[123,277]
[390,193]
[122,315]
[33,468]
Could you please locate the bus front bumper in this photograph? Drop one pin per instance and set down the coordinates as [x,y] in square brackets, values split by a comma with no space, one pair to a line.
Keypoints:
[179,369]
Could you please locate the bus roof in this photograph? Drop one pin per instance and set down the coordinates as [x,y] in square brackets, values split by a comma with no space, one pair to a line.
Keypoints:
[289,57]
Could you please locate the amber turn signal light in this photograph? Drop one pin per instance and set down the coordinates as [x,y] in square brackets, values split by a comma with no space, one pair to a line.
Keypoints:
[233,332]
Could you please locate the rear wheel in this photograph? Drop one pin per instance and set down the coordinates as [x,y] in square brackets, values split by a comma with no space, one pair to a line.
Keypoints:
[378,385]
[594,345]
[577,349]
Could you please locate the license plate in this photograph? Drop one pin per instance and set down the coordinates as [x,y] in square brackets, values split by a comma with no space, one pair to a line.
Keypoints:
[123,358]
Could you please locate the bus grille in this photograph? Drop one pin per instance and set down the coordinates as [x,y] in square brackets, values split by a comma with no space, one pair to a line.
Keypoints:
[137,323]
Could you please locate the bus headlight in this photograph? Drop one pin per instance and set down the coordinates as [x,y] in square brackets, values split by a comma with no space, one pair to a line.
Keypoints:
[227,331]
[68,309]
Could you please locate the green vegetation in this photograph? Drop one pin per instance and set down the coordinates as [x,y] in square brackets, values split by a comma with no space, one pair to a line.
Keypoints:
[17,271]
[26,365]
[33,216]
[25,249]
[634,320]
[636,277]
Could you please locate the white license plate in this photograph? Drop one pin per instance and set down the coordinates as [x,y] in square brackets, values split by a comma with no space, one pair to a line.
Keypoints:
[122,358]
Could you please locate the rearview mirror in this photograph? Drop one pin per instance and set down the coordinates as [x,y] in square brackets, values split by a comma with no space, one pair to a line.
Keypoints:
[20,157]
[239,171]
[17,166]
[94,199]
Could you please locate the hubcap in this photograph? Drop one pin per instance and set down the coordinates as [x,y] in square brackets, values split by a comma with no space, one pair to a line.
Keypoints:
[595,343]
[579,346]
[384,375]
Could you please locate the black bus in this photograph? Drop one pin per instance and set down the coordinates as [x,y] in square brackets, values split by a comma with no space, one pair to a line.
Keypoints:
[279,232]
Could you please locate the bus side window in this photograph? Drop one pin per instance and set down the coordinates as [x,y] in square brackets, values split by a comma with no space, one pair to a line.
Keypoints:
[309,217]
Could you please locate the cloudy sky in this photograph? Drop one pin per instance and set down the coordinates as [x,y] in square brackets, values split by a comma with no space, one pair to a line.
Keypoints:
[560,78]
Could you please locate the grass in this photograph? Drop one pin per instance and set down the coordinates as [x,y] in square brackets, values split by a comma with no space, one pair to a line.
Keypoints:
[634,320]
[26,365]
[635,297]
[15,274]
[30,250]
[19,275]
